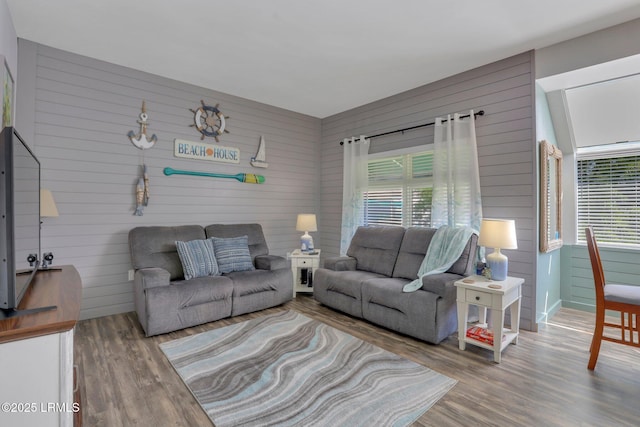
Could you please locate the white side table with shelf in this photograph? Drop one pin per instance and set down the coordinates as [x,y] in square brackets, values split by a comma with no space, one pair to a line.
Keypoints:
[496,296]
[300,260]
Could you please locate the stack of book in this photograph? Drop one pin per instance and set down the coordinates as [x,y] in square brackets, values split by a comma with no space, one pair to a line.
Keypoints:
[481,334]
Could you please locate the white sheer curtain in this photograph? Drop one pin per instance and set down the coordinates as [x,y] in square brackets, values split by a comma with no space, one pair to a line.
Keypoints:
[355,179]
[456,179]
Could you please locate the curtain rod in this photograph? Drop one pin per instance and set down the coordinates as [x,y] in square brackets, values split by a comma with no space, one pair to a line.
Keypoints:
[479,113]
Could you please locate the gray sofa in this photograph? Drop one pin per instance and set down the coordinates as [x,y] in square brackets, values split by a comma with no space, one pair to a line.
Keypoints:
[368,282]
[165,302]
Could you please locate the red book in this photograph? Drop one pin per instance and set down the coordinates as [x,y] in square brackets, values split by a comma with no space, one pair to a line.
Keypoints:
[481,334]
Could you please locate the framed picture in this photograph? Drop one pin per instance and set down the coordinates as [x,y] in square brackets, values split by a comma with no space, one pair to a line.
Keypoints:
[7,93]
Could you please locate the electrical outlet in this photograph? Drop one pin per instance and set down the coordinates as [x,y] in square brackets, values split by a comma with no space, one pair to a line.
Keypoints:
[131,274]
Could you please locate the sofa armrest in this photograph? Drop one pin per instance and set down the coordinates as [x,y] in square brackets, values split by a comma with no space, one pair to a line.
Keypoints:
[439,284]
[342,263]
[270,262]
[152,277]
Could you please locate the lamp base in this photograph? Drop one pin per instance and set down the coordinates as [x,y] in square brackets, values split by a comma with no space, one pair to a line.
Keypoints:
[306,242]
[498,264]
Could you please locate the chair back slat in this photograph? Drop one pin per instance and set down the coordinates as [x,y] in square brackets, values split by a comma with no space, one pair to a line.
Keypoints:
[596,265]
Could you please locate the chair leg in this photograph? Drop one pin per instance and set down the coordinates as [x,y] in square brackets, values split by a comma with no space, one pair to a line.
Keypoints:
[597,340]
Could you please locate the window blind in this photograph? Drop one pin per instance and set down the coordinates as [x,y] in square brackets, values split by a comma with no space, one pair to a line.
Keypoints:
[399,190]
[609,198]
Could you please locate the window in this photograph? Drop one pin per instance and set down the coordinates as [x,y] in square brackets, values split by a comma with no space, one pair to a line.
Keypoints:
[400,190]
[609,196]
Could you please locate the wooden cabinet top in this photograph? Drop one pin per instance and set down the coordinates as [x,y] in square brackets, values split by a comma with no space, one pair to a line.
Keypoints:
[60,288]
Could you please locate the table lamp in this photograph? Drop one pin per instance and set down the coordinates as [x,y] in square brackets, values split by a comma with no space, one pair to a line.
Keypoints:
[48,207]
[306,223]
[498,234]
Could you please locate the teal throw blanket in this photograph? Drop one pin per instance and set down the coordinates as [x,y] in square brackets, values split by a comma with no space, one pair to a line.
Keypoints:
[444,250]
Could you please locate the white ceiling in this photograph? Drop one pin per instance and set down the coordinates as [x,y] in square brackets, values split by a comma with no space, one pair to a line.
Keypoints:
[314,57]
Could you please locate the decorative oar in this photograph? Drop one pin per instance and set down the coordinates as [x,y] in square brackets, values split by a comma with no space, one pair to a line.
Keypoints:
[249,178]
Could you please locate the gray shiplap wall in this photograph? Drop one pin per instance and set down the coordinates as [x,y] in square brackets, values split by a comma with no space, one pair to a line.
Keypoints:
[506,150]
[76,111]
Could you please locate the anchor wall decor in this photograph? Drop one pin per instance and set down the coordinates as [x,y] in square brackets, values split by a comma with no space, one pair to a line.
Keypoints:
[141,140]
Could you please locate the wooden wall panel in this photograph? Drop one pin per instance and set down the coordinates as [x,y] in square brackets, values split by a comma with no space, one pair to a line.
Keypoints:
[81,112]
[506,150]
[576,284]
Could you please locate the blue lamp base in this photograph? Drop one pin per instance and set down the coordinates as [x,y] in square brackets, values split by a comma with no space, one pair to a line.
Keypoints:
[498,264]
[306,242]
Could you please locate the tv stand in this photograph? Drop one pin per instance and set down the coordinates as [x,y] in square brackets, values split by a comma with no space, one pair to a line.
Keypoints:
[37,351]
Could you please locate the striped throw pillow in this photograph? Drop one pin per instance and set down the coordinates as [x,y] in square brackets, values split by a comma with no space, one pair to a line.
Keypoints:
[197,258]
[232,254]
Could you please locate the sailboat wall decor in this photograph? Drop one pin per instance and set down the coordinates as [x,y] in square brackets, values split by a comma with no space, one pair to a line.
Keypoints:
[260,159]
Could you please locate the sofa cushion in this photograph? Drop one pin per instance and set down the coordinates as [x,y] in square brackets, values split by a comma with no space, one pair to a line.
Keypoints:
[376,248]
[232,254]
[197,258]
[414,246]
[255,236]
[258,289]
[347,282]
[202,290]
[185,303]
[252,282]
[341,289]
[423,315]
[155,246]
[342,263]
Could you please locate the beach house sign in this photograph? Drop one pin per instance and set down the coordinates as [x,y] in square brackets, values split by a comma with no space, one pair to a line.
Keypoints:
[203,151]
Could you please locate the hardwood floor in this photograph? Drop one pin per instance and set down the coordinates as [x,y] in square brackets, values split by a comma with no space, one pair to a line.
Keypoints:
[127,381]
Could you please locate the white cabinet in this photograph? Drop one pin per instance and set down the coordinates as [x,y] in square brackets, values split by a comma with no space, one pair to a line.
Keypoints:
[36,354]
[37,381]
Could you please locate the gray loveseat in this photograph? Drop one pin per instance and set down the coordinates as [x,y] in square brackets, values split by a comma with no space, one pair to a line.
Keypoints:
[381,260]
[166,302]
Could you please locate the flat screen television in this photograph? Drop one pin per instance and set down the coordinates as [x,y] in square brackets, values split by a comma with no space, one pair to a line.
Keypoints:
[20,219]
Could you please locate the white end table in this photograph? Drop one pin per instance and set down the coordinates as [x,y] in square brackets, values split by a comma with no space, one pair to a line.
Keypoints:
[496,296]
[300,260]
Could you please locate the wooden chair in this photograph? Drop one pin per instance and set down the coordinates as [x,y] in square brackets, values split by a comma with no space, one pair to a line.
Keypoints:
[622,298]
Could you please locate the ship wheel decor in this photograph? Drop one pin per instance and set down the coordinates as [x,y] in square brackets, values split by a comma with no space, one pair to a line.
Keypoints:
[209,121]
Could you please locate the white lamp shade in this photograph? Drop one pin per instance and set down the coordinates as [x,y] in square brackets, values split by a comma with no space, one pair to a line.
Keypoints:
[47,205]
[498,233]
[306,222]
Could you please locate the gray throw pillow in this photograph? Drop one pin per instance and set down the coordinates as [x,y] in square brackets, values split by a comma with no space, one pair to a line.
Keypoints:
[197,258]
[232,254]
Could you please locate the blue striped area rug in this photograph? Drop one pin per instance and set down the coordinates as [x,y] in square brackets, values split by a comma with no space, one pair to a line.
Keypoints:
[288,370]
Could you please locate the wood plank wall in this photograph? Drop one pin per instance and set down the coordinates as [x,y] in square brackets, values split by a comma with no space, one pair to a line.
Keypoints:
[81,110]
[506,150]
[576,285]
